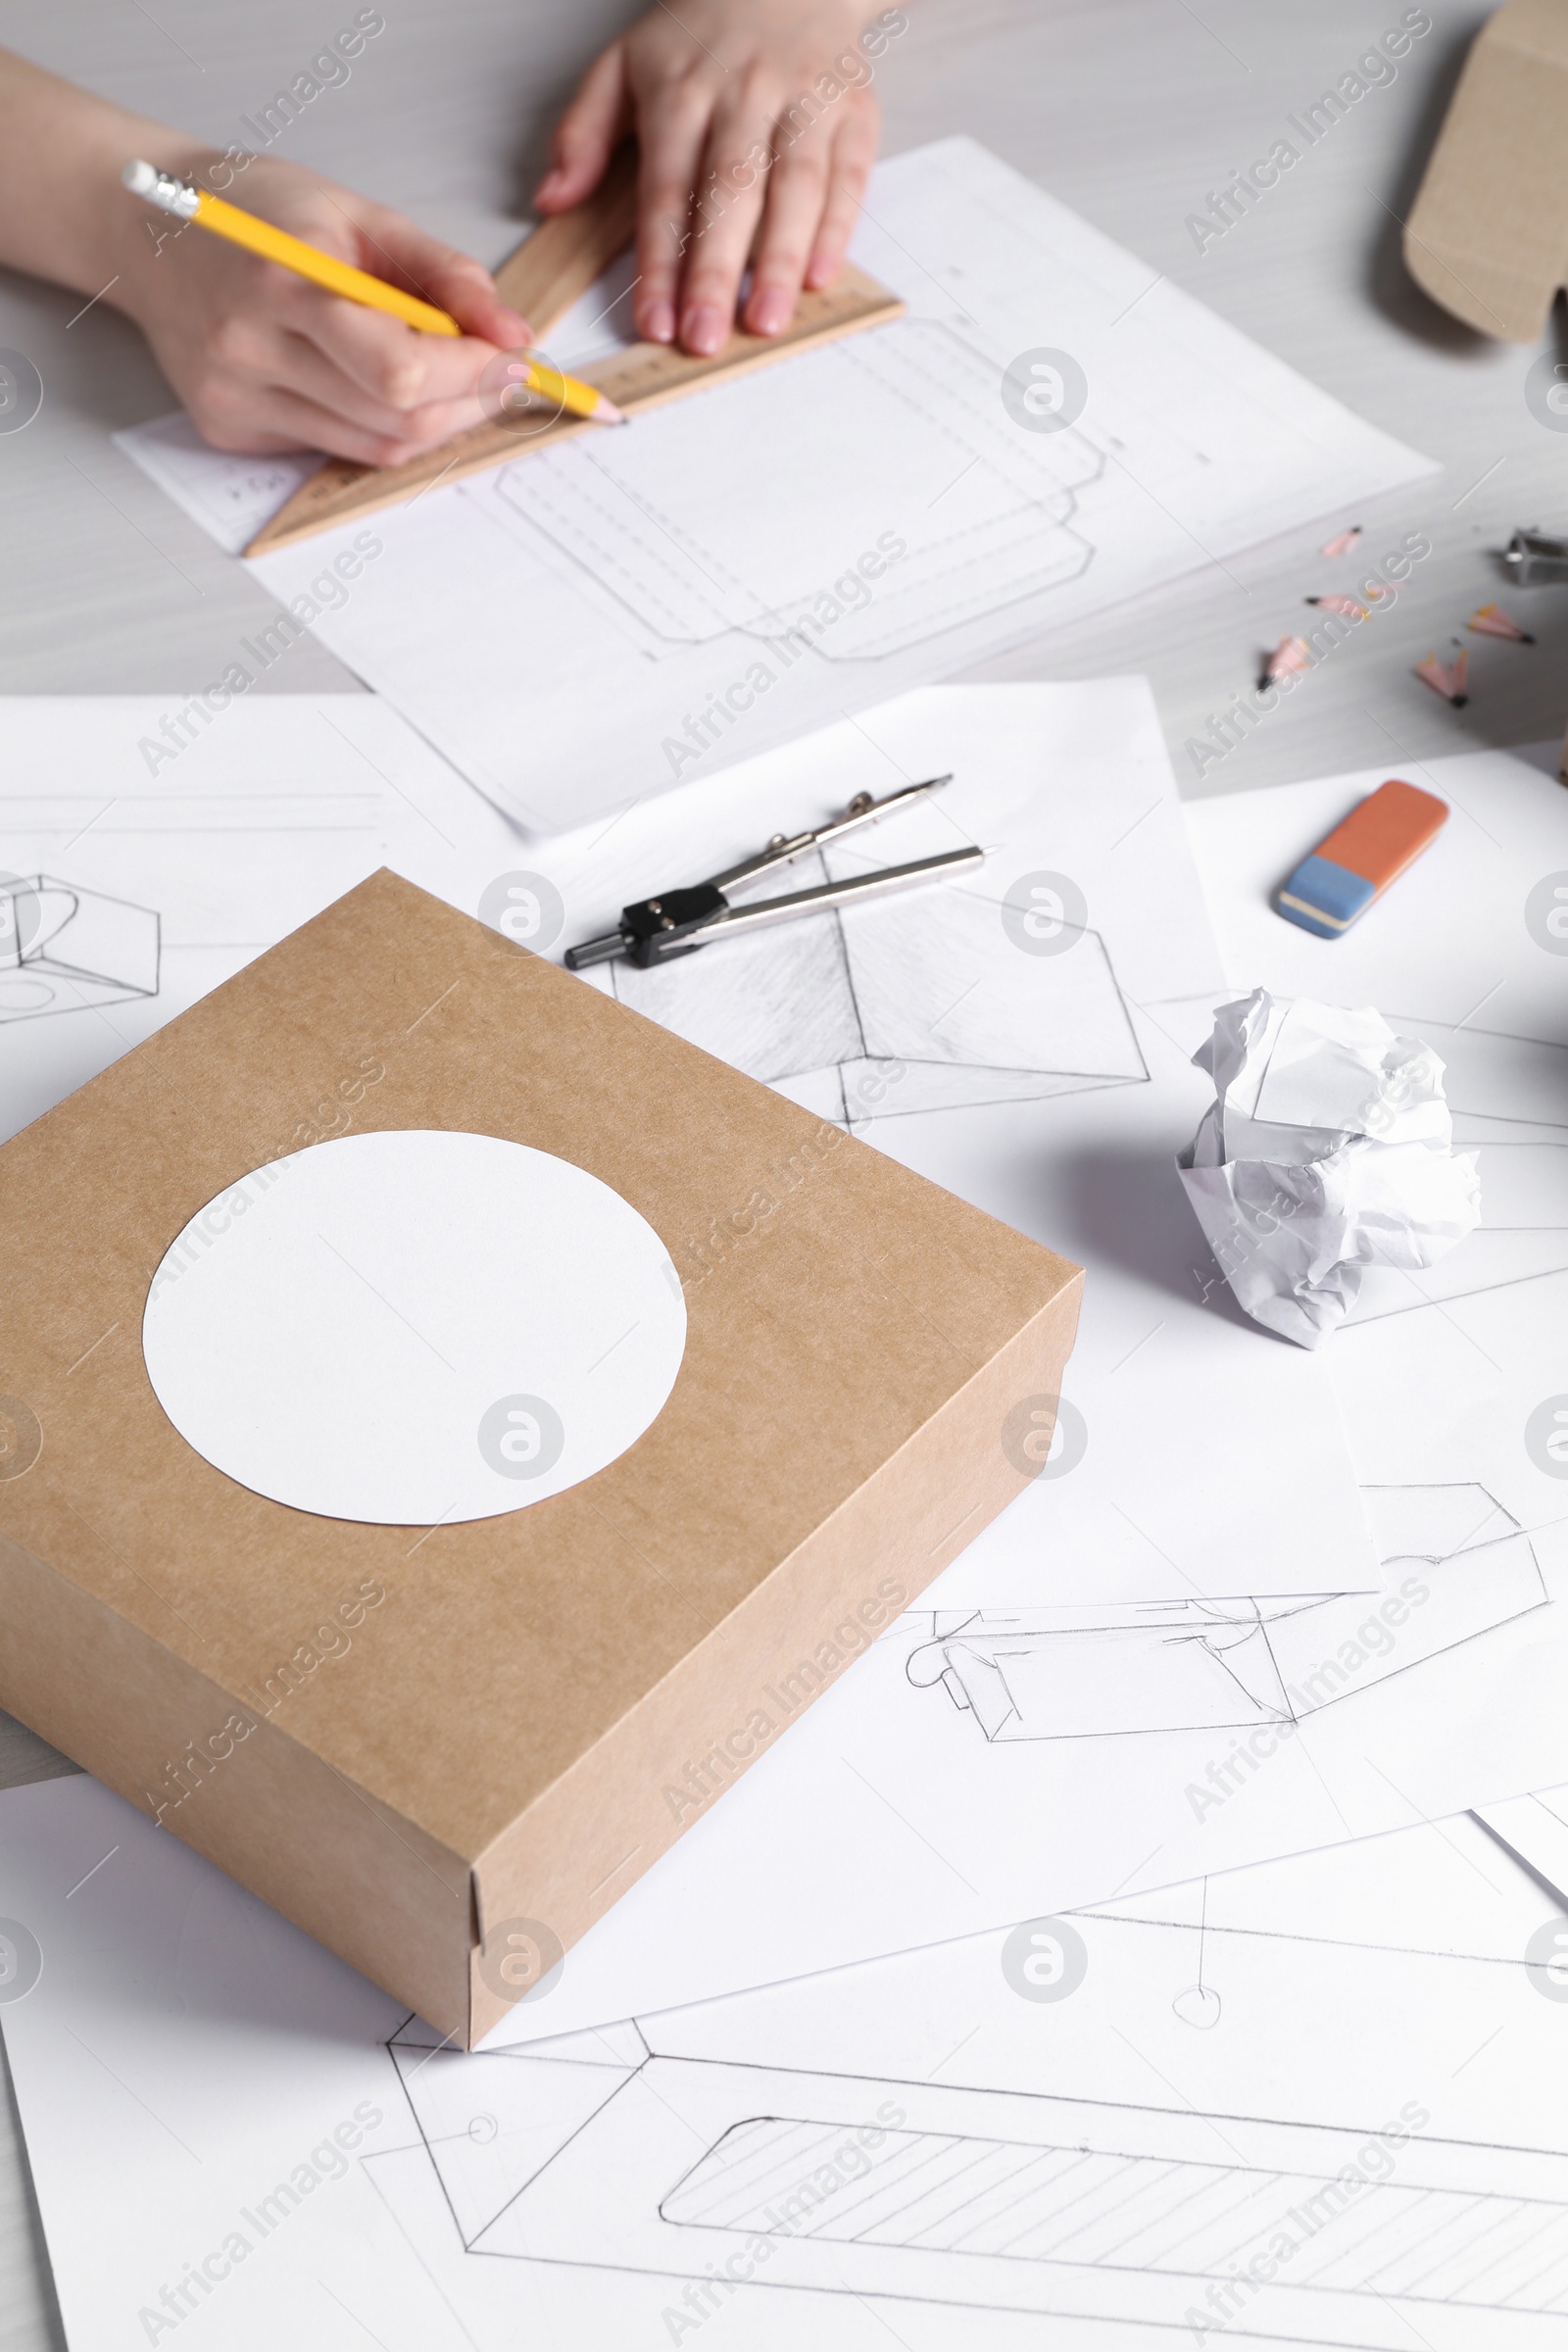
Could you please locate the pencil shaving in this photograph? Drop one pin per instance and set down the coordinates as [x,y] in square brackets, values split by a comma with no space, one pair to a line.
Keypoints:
[1491,621]
[1290,658]
[1451,679]
[1344,541]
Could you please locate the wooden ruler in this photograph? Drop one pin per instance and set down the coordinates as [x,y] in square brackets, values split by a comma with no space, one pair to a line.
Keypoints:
[555,267]
[550,271]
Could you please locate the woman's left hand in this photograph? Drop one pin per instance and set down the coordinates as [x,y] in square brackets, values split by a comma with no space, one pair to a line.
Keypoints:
[758,129]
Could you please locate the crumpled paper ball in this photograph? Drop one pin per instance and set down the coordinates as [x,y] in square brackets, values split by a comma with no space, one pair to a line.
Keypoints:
[1328,1149]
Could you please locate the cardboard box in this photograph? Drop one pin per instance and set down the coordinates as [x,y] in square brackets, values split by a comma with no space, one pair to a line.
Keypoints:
[446,1752]
[1488,233]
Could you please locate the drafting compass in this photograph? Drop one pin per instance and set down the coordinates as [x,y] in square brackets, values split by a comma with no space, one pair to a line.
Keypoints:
[680,921]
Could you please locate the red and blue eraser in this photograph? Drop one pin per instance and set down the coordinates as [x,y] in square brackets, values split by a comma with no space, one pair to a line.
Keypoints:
[1356,863]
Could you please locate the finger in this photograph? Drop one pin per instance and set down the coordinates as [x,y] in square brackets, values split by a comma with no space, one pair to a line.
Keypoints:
[300,367]
[729,205]
[271,418]
[466,290]
[854,154]
[393,364]
[394,248]
[389,245]
[796,197]
[586,134]
[673,133]
[252,353]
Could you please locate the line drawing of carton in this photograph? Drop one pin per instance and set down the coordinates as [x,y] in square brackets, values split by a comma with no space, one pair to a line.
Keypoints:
[1206,1665]
[63,948]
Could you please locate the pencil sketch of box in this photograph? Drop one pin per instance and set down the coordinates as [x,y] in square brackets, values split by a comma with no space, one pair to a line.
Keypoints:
[985,512]
[1197,1665]
[901,1005]
[63,948]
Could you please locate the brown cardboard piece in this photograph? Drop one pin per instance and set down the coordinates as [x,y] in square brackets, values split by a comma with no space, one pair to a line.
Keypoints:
[1488,235]
[444,1751]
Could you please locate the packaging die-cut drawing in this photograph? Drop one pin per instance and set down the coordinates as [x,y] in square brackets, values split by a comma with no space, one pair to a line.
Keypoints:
[876,415]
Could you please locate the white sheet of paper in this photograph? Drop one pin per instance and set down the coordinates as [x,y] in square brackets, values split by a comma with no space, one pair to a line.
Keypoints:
[1345,2060]
[186,866]
[1534,1831]
[231,500]
[598,622]
[1451,1372]
[1043,1075]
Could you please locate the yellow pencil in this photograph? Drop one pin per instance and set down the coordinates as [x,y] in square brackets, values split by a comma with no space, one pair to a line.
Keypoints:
[186,203]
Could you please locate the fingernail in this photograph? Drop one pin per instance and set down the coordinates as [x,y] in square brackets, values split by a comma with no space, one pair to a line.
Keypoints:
[702,329]
[768,310]
[517,333]
[659,321]
[551,180]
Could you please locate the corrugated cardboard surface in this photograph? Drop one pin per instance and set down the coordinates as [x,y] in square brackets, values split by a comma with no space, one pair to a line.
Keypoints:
[397,1735]
[1488,235]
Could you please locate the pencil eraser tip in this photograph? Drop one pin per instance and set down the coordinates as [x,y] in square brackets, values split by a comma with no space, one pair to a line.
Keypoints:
[139,178]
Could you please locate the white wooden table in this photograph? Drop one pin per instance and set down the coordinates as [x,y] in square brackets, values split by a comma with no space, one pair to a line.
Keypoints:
[1131,110]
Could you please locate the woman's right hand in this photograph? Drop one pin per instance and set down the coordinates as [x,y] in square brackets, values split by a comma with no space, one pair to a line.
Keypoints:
[263,360]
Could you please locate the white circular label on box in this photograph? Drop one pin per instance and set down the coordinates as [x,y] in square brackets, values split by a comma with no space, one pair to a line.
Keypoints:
[415,1328]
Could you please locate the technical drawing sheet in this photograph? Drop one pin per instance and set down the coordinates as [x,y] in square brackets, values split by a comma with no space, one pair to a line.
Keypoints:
[1315,2103]
[1464,1366]
[1030,1024]
[1053,428]
[141,868]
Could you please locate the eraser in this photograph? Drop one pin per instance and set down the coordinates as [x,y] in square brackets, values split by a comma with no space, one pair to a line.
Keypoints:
[1356,863]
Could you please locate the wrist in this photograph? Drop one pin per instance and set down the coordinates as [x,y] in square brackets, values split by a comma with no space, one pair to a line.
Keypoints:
[136,233]
[58,138]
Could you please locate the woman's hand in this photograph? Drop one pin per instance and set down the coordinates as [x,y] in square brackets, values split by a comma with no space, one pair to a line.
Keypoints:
[757,128]
[263,360]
